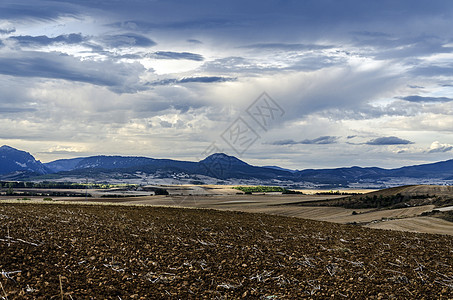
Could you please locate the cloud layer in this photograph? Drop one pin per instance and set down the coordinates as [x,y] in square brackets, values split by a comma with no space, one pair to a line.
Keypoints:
[367,81]
[438,147]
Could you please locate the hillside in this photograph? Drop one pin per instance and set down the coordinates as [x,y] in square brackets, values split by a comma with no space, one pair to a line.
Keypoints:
[217,168]
[13,161]
[131,252]
[391,198]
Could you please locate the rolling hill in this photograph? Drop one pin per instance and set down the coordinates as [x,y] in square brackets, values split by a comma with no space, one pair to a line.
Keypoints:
[393,198]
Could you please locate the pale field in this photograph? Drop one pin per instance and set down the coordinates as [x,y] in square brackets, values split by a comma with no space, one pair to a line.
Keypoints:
[226,198]
[352,191]
[417,224]
[272,204]
[228,189]
[428,189]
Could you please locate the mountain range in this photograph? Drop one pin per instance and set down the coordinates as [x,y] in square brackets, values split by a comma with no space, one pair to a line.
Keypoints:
[216,168]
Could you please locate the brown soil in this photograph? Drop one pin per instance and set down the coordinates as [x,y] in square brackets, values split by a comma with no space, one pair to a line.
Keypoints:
[127,252]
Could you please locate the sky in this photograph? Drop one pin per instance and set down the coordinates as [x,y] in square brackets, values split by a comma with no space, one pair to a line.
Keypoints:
[298,84]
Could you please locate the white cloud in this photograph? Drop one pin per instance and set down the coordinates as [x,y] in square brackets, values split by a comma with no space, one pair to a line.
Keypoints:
[60,149]
[438,147]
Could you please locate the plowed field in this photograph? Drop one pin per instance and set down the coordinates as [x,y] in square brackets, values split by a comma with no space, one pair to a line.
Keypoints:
[57,251]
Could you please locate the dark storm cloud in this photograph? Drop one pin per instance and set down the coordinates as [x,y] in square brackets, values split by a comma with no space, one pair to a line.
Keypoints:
[118,77]
[389,140]
[311,17]
[176,55]
[206,79]
[127,40]
[292,26]
[199,79]
[38,9]
[256,23]
[322,140]
[425,99]
[284,142]
[310,12]
[168,81]
[43,40]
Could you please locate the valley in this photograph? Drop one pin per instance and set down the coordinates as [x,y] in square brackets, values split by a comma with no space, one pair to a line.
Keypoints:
[312,204]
